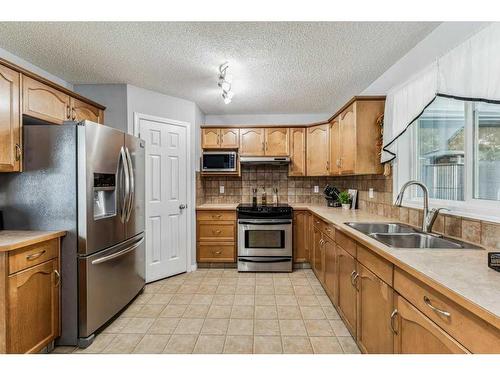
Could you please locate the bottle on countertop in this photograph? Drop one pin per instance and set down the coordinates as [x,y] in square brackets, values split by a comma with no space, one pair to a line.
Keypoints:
[275,196]
[254,196]
[264,196]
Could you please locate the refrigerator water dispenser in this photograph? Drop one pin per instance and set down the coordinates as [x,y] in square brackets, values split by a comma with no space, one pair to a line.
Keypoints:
[104,195]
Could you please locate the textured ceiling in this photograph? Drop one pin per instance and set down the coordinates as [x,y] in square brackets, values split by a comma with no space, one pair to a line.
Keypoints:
[288,67]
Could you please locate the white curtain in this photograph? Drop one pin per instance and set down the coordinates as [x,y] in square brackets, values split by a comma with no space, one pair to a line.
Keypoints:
[470,71]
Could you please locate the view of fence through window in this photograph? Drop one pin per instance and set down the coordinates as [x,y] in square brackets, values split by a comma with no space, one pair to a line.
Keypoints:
[441,149]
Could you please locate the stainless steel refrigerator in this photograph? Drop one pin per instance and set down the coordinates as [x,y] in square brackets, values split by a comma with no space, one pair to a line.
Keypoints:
[87,179]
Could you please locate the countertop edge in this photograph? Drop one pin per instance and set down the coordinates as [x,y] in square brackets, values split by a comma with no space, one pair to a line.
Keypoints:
[364,240]
[43,236]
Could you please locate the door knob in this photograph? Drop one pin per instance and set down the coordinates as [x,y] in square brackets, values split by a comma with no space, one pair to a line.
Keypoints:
[182,206]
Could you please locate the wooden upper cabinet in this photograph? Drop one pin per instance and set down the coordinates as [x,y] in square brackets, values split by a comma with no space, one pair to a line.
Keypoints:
[297,152]
[210,138]
[347,292]
[318,153]
[229,138]
[252,142]
[347,140]
[374,306]
[417,334]
[10,120]
[33,317]
[220,138]
[83,111]
[277,143]
[335,147]
[44,102]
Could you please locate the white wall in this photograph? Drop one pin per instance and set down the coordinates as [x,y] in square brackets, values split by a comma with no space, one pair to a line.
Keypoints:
[442,39]
[113,97]
[266,119]
[33,68]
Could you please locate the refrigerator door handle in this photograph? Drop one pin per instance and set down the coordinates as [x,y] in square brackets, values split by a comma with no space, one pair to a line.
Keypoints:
[125,171]
[131,196]
[118,254]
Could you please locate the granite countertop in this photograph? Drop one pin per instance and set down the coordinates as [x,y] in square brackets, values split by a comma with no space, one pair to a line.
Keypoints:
[15,239]
[463,272]
[217,206]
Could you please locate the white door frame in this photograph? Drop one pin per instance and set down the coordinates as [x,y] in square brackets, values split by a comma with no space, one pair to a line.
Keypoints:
[190,211]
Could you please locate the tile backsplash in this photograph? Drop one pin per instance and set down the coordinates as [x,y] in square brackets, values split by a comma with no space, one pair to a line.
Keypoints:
[301,190]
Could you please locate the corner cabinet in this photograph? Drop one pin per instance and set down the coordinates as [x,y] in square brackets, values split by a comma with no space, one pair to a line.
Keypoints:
[355,138]
[30,297]
[10,120]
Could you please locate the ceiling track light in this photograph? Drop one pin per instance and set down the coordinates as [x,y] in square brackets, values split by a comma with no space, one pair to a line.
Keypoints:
[225,83]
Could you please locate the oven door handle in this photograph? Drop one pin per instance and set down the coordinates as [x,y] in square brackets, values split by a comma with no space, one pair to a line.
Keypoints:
[265,223]
[274,260]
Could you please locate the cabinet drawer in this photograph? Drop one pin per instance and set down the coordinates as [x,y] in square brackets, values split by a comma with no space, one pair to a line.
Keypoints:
[472,332]
[216,215]
[32,255]
[324,227]
[216,252]
[347,243]
[216,232]
[376,264]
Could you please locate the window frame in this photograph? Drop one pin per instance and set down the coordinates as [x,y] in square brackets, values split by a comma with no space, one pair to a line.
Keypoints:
[404,167]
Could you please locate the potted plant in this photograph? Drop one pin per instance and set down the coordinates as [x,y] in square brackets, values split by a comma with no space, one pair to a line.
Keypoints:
[345,200]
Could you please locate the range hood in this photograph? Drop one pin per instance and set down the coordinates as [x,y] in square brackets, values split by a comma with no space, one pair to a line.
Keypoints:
[274,160]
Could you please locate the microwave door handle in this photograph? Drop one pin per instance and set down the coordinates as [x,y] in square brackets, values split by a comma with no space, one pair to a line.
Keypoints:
[131,195]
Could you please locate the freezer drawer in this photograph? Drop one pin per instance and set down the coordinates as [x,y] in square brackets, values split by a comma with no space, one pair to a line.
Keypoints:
[109,280]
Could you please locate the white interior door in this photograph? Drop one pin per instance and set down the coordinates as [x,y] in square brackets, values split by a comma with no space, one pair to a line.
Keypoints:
[167,167]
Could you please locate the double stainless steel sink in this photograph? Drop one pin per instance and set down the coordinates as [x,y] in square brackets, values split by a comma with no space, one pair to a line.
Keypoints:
[404,236]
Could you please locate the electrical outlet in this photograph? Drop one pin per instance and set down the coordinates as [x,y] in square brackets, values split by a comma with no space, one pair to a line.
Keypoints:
[221,189]
[316,188]
[370,193]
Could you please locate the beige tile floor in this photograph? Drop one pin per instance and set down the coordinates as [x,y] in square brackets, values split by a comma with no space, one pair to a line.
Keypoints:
[223,311]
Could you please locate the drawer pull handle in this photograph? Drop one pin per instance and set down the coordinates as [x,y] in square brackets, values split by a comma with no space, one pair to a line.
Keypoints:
[218,231]
[427,301]
[219,252]
[58,277]
[393,315]
[35,256]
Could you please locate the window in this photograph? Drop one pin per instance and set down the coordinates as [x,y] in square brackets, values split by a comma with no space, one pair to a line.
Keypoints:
[454,148]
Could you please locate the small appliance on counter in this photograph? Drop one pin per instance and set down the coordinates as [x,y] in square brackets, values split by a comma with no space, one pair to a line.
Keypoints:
[331,194]
[494,261]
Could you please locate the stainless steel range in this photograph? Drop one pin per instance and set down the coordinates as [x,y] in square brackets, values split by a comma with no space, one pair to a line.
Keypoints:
[264,238]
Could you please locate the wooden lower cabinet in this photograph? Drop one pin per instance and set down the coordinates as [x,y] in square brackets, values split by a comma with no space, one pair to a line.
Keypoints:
[374,307]
[216,236]
[417,334]
[318,260]
[30,297]
[331,269]
[347,293]
[34,307]
[300,234]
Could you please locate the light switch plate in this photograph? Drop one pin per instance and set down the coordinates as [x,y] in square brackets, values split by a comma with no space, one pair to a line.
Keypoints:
[221,189]
[316,188]
[370,193]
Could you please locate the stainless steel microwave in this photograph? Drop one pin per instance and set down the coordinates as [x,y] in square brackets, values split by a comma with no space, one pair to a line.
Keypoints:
[219,161]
